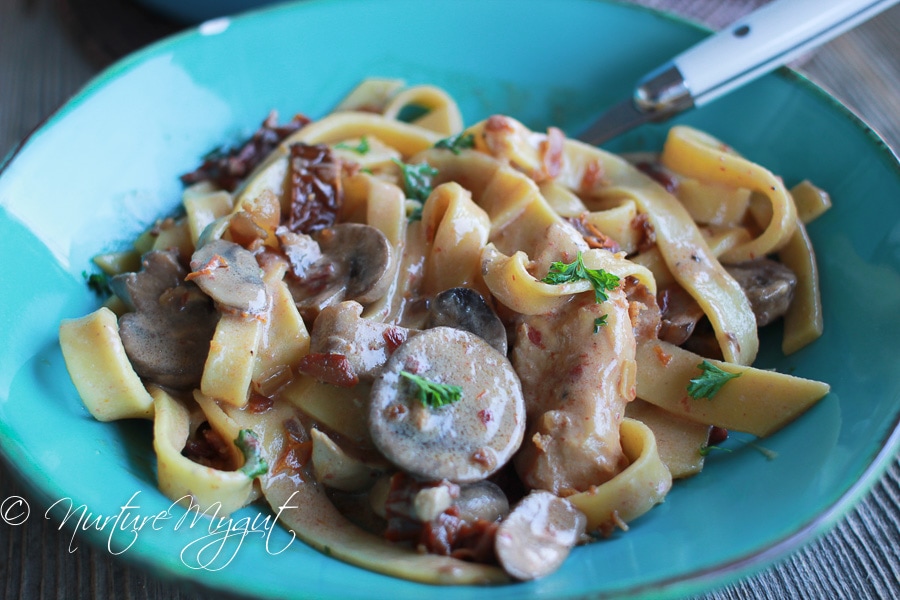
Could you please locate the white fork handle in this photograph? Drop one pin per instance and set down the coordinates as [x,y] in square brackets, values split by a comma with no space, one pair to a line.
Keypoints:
[756,44]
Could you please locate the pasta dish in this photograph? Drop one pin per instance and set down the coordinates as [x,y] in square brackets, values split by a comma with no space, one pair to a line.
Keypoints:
[461,350]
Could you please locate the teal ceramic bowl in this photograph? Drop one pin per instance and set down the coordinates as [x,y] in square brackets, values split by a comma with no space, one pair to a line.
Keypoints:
[107,164]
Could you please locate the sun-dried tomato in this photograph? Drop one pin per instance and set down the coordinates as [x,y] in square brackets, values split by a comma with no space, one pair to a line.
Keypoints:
[226,169]
[315,188]
[641,223]
[297,450]
[329,368]
[592,235]
[208,448]
[449,535]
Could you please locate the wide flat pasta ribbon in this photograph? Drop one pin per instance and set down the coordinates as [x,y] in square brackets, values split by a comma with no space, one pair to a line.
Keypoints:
[642,485]
[184,480]
[695,154]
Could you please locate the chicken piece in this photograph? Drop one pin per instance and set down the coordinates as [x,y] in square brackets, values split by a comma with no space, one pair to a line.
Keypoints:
[576,378]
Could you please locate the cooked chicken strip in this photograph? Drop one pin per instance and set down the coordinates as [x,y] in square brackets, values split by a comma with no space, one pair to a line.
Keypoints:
[576,383]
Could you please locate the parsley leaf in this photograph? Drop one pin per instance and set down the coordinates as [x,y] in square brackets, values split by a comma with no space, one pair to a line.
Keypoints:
[710,381]
[433,394]
[98,283]
[415,213]
[602,281]
[249,445]
[361,148]
[599,322]
[456,143]
[417,179]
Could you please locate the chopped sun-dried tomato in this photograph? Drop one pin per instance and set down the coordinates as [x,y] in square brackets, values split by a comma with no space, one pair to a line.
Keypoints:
[259,404]
[226,169]
[315,188]
[208,448]
[297,450]
[642,224]
[329,368]
[593,236]
[450,535]
[393,337]
[551,151]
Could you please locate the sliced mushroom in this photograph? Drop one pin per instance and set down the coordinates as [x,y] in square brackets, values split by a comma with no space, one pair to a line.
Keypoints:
[481,500]
[337,469]
[140,291]
[167,335]
[355,264]
[462,441]
[464,308]
[680,314]
[537,536]
[301,249]
[366,344]
[769,286]
[230,275]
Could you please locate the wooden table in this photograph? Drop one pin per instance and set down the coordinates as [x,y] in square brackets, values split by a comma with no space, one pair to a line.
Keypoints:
[48,50]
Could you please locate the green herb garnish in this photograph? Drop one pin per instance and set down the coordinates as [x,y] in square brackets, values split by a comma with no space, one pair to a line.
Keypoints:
[602,281]
[710,381]
[456,143]
[98,283]
[417,179]
[254,464]
[361,148]
[431,394]
[599,322]
[415,213]
[704,450]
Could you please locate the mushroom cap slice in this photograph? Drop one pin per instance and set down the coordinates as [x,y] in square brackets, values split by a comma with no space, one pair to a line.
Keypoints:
[463,441]
[230,275]
[364,255]
[464,308]
[769,286]
[537,536]
[481,500]
[160,271]
[356,263]
[167,334]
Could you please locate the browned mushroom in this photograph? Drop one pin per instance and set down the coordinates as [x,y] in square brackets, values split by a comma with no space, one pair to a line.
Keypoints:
[464,440]
[680,314]
[230,275]
[167,335]
[769,286]
[464,308]
[481,500]
[355,264]
[537,536]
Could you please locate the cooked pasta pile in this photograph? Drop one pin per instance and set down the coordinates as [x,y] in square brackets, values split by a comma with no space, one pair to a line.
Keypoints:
[452,346]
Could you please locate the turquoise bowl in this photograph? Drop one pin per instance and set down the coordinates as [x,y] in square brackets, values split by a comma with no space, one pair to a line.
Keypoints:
[107,163]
